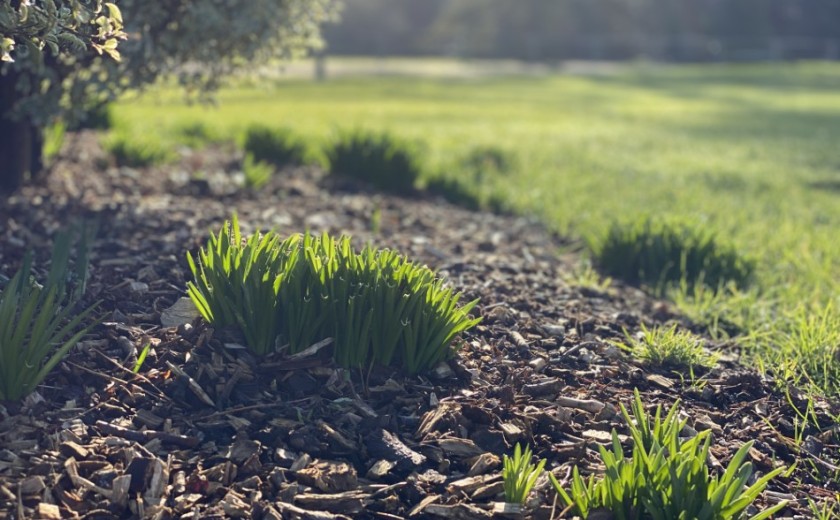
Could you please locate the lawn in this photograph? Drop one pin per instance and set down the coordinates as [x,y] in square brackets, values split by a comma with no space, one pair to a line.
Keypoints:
[750,151]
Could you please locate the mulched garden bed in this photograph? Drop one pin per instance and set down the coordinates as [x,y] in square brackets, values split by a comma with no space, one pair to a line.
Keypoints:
[204,430]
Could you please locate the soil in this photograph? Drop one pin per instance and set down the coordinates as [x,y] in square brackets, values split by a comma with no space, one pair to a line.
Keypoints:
[204,430]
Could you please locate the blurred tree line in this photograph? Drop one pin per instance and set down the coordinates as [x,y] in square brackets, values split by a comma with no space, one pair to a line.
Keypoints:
[680,30]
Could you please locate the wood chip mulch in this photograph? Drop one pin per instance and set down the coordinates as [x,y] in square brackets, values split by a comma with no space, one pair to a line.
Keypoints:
[204,430]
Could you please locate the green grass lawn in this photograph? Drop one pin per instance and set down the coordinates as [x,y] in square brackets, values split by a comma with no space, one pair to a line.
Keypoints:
[749,150]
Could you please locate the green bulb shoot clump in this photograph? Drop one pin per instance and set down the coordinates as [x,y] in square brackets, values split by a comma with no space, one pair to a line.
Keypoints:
[378,306]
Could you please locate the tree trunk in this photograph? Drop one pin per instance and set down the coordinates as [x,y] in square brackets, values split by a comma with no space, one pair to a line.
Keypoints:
[21,143]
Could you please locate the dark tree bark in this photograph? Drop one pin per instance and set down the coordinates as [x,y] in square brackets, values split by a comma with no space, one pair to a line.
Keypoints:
[21,142]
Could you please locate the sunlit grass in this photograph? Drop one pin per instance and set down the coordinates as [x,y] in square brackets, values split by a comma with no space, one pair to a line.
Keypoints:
[668,347]
[749,151]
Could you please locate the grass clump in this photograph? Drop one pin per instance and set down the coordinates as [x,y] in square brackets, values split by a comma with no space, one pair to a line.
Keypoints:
[377,306]
[39,323]
[668,252]
[378,159]
[668,347]
[666,477]
[136,152]
[234,284]
[257,173]
[276,146]
[804,349]
[488,159]
[454,191]
[520,474]
[196,134]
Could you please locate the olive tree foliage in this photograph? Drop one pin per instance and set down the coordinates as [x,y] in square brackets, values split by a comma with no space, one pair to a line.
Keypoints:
[60,57]
[201,41]
[44,45]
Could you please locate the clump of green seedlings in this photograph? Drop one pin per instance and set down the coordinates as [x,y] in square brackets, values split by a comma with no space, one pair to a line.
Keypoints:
[136,152]
[668,347]
[520,474]
[40,323]
[666,476]
[379,307]
[667,252]
[378,159]
[583,274]
[257,173]
[276,146]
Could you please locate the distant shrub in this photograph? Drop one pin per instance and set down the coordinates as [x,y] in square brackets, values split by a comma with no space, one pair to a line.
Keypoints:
[196,134]
[277,146]
[665,252]
[489,159]
[454,191]
[136,152]
[257,173]
[468,194]
[380,160]
[377,305]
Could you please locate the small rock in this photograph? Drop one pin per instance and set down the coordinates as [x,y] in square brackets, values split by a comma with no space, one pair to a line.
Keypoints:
[139,287]
[442,371]
[181,312]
